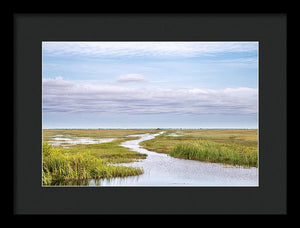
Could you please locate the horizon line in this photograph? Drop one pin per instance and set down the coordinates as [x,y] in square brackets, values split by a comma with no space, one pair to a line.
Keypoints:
[158,128]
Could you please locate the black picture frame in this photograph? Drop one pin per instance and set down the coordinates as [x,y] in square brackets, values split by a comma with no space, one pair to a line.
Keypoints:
[271,32]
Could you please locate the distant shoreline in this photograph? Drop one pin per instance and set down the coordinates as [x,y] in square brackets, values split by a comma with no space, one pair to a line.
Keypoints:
[151,128]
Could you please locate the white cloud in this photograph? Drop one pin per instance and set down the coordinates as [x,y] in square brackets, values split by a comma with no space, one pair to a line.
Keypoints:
[64,96]
[131,78]
[56,83]
[145,48]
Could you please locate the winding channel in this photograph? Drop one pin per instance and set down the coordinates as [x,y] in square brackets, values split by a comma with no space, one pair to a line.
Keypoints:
[163,170]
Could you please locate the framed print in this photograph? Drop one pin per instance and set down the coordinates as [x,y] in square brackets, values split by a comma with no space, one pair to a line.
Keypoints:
[119,108]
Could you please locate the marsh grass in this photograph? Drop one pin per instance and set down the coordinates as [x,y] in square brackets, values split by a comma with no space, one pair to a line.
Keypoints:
[227,146]
[203,150]
[61,165]
[48,134]
[110,152]
[74,163]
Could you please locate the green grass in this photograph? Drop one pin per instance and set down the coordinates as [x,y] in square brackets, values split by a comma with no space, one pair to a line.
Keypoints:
[74,164]
[48,134]
[62,165]
[110,152]
[233,154]
[228,146]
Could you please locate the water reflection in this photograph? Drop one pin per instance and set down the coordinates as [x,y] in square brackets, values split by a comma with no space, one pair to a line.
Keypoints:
[116,181]
[59,140]
[70,182]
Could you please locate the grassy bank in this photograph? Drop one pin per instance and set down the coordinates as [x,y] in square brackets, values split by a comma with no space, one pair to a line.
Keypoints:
[228,146]
[49,134]
[74,164]
[110,152]
[63,165]
[232,154]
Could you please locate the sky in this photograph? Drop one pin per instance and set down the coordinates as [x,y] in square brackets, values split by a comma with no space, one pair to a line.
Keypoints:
[150,84]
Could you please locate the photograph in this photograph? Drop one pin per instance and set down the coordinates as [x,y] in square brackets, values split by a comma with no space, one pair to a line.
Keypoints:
[150,114]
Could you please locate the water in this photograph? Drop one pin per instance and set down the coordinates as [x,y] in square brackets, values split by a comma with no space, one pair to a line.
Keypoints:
[60,141]
[164,170]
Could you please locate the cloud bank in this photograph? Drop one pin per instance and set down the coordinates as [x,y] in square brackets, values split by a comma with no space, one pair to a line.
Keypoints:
[61,95]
